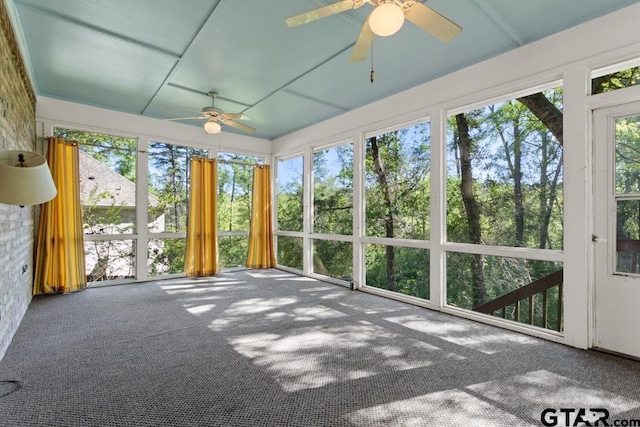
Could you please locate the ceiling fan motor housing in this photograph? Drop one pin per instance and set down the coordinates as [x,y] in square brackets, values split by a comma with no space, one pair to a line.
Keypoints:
[212,111]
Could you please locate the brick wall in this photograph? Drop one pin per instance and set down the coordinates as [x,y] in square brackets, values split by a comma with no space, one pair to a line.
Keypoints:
[17,131]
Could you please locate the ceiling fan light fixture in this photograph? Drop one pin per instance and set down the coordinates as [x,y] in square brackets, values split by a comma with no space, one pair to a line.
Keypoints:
[212,126]
[386,19]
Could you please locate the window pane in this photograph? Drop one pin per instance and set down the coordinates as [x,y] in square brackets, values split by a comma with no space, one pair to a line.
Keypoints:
[110,260]
[399,269]
[169,175]
[166,256]
[397,183]
[333,259]
[240,158]
[290,251]
[504,173]
[289,187]
[235,183]
[473,280]
[107,181]
[617,80]
[627,140]
[233,251]
[627,236]
[333,190]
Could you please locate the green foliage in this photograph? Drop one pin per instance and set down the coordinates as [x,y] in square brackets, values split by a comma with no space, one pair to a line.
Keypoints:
[517,171]
[235,184]
[289,190]
[290,251]
[627,183]
[169,176]
[116,152]
[333,258]
[107,259]
[614,81]
[399,193]
[166,256]
[411,269]
[502,275]
[233,251]
[333,190]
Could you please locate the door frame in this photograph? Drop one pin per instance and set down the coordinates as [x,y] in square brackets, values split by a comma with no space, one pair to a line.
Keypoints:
[600,183]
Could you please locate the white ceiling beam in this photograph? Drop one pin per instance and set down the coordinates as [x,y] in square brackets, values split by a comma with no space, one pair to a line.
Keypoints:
[499,21]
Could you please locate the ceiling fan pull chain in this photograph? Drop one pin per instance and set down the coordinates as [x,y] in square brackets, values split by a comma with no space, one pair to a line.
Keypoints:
[371,75]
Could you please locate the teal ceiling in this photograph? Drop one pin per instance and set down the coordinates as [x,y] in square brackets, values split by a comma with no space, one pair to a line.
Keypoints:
[159,58]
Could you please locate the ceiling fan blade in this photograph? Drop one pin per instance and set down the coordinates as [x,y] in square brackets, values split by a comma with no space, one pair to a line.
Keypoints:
[430,20]
[232,116]
[362,46]
[321,12]
[189,118]
[238,126]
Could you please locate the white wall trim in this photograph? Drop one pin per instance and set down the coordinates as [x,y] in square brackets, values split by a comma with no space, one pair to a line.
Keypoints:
[80,116]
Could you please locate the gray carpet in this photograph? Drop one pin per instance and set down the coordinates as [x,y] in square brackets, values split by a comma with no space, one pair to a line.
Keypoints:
[267,348]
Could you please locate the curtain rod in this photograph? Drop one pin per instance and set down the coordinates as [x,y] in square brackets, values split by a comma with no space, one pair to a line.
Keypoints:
[231,162]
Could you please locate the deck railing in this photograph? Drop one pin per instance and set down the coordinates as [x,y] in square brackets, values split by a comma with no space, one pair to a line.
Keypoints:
[528,292]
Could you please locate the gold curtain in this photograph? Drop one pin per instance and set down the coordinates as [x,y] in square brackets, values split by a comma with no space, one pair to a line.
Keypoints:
[261,254]
[59,258]
[201,256]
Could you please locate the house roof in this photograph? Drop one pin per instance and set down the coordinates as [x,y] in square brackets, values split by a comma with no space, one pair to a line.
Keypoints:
[103,187]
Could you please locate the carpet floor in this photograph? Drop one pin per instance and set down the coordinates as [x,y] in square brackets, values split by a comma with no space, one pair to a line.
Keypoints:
[269,348]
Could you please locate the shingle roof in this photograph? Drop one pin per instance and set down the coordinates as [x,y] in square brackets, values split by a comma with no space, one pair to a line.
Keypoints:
[97,178]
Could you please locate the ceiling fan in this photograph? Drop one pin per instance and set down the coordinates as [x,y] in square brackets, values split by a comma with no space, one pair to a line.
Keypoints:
[386,19]
[216,118]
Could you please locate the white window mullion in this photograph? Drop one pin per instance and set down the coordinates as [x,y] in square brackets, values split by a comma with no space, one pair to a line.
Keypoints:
[359,267]
[307,209]
[438,233]
[142,215]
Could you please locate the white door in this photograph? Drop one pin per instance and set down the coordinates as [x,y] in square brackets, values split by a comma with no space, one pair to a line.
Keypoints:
[617,228]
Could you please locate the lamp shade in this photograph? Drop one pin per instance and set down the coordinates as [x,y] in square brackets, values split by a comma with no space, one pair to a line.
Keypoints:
[386,19]
[212,126]
[25,180]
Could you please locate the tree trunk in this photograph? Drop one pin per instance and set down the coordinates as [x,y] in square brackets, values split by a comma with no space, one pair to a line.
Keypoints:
[543,202]
[471,208]
[547,198]
[518,197]
[232,199]
[173,168]
[544,110]
[389,231]
[551,117]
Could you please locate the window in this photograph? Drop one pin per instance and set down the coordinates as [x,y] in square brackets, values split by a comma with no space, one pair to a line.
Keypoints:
[505,188]
[397,183]
[504,175]
[289,187]
[397,192]
[168,205]
[504,276]
[333,190]
[235,184]
[108,197]
[290,250]
[627,193]
[613,78]
[333,258]
[409,272]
